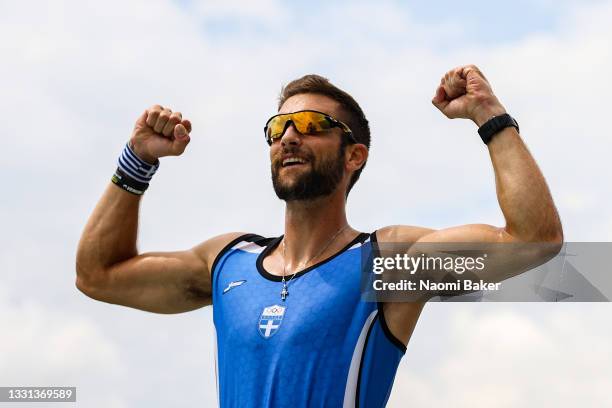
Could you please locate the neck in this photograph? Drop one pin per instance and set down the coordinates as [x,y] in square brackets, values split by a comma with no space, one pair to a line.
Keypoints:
[309,226]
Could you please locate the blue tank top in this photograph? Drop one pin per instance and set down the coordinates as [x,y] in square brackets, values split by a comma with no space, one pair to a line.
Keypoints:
[321,347]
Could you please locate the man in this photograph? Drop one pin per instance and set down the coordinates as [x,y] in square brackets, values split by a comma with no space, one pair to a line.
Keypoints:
[291,327]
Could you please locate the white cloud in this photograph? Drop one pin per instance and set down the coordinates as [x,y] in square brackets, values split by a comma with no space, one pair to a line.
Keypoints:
[46,347]
[504,356]
[266,11]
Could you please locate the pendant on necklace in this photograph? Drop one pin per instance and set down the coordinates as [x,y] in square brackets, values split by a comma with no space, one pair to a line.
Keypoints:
[284,292]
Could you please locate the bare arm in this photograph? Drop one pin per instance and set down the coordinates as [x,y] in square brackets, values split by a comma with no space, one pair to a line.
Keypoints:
[109,268]
[522,193]
[108,265]
[109,236]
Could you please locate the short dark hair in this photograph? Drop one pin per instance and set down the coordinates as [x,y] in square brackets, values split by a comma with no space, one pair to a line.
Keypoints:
[355,118]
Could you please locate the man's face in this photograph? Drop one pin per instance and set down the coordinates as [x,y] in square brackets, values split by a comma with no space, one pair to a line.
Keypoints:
[323,154]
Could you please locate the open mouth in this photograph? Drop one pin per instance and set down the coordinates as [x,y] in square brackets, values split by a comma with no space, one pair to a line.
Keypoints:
[293,161]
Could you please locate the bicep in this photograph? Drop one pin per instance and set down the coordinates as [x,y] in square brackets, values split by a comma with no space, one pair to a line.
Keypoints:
[162,282]
[504,255]
[463,233]
[159,282]
[474,233]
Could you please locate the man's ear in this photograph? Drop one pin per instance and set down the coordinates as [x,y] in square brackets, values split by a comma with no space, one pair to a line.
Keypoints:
[357,154]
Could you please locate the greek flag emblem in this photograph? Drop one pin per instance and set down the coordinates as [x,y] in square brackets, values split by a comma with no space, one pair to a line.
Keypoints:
[270,320]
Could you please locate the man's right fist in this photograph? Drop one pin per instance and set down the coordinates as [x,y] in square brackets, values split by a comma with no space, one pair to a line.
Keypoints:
[159,132]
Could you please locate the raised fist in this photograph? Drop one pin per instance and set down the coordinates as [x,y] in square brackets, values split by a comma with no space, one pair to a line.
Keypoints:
[464,92]
[159,132]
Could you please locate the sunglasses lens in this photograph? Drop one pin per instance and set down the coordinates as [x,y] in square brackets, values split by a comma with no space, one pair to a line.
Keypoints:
[309,123]
[306,122]
[275,127]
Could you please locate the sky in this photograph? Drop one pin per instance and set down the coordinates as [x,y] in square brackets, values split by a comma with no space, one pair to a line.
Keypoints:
[75,75]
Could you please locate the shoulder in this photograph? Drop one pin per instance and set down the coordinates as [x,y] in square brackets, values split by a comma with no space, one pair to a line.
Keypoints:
[401,233]
[211,249]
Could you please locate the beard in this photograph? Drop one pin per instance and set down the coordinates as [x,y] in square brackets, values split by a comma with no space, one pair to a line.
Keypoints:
[320,180]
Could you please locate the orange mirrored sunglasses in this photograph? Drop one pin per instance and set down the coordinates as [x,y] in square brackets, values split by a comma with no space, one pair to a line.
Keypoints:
[307,122]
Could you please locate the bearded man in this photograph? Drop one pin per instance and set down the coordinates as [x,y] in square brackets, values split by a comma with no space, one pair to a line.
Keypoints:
[291,326]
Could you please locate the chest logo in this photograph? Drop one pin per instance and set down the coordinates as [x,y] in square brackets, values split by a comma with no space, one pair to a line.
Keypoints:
[232,285]
[270,320]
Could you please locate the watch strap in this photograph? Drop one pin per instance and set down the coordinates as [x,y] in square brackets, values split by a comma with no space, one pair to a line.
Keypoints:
[495,125]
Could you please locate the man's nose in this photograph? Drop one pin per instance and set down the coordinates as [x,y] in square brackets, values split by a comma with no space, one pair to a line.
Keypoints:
[291,136]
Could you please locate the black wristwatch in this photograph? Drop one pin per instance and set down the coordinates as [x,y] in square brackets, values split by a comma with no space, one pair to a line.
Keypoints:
[494,125]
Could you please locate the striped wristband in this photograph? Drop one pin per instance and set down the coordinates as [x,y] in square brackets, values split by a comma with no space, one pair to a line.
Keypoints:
[133,174]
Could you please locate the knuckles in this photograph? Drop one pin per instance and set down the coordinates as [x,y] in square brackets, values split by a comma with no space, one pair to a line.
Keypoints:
[164,119]
[152,117]
[159,112]
[175,117]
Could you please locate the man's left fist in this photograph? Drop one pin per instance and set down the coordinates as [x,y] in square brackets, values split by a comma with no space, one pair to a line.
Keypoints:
[464,92]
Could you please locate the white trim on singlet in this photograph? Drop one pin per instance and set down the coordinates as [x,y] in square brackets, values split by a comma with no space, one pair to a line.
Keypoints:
[254,248]
[353,374]
[358,244]
[247,246]
[216,352]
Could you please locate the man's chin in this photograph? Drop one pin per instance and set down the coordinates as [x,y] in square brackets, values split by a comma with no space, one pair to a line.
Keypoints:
[290,181]
[296,185]
[292,198]
[289,192]
[293,190]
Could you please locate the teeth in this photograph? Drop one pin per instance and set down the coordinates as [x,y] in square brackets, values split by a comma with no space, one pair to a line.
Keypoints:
[293,160]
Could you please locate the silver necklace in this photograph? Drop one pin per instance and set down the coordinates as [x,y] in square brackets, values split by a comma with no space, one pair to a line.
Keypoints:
[284,292]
